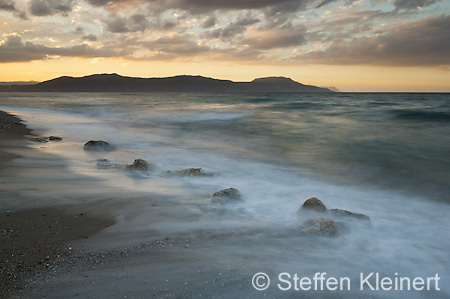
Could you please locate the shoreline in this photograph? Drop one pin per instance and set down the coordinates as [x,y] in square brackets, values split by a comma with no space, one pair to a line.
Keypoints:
[33,239]
[163,244]
[54,248]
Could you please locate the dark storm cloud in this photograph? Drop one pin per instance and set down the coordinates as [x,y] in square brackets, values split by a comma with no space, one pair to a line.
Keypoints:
[14,50]
[413,4]
[421,43]
[50,7]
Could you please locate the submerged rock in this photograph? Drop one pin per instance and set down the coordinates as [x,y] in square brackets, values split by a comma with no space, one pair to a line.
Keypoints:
[224,212]
[319,227]
[226,196]
[45,139]
[98,145]
[139,165]
[187,172]
[54,138]
[104,164]
[319,217]
[38,139]
[339,213]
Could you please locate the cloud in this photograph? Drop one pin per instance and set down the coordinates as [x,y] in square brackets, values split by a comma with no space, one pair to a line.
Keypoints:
[104,2]
[201,6]
[325,2]
[421,43]
[7,5]
[90,37]
[50,7]
[185,45]
[413,4]
[208,5]
[137,23]
[134,23]
[277,38]
[12,49]
[210,22]
[232,29]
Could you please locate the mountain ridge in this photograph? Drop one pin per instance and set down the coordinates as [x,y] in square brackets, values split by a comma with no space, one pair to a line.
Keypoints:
[180,83]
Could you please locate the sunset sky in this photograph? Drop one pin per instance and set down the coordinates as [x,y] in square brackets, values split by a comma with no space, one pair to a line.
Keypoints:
[366,45]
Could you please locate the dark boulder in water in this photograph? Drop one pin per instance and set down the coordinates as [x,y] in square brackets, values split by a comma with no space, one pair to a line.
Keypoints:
[98,145]
[319,227]
[139,165]
[187,172]
[314,204]
[316,213]
[313,208]
[226,196]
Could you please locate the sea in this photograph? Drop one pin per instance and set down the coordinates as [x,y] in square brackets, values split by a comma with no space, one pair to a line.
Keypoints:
[385,155]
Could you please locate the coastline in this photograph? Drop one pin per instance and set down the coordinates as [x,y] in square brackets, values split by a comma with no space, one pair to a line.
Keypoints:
[55,249]
[33,239]
[12,130]
[162,243]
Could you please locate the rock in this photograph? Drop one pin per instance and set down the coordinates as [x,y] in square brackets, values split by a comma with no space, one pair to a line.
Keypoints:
[339,213]
[54,138]
[38,139]
[98,145]
[104,164]
[314,210]
[226,212]
[314,204]
[319,227]
[187,172]
[226,196]
[46,139]
[313,207]
[139,165]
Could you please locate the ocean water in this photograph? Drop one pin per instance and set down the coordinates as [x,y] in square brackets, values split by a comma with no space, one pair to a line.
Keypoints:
[383,155]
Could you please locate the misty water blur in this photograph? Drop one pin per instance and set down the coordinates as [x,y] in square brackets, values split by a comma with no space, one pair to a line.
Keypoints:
[383,155]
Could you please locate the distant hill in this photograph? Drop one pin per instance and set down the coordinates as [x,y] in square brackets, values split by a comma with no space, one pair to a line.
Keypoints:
[18,83]
[332,88]
[117,83]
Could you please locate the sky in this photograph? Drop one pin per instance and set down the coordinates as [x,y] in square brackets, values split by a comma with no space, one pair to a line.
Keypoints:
[365,45]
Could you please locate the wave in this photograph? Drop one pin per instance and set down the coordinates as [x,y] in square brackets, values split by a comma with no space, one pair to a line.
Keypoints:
[422,115]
